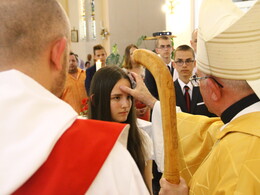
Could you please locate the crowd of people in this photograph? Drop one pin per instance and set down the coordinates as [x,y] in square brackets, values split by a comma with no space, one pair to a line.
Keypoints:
[50,150]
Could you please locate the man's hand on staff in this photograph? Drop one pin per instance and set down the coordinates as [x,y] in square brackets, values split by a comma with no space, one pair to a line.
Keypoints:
[173,189]
[140,92]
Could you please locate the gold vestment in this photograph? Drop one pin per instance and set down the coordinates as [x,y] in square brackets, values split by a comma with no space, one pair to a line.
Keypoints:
[220,162]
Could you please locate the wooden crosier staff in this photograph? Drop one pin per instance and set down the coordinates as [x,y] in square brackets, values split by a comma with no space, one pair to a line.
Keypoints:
[166,93]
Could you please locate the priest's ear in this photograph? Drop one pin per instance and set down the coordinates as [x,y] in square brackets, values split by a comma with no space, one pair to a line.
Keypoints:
[58,50]
[214,89]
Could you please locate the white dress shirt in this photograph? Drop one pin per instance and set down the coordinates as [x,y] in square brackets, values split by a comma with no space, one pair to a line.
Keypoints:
[182,84]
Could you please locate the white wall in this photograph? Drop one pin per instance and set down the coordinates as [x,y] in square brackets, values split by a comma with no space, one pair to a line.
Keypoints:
[185,18]
[181,22]
[126,21]
[129,20]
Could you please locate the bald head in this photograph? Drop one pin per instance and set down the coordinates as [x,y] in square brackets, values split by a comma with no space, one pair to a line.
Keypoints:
[193,40]
[28,27]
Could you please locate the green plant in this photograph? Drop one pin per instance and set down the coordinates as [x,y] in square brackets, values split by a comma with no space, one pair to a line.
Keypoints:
[172,40]
[140,40]
[114,58]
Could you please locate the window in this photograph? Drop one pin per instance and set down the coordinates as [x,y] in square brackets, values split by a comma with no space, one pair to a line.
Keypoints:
[87,20]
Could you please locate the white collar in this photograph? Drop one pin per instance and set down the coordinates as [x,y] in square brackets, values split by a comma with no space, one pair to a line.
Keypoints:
[253,108]
[182,84]
[169,64]
[32,120]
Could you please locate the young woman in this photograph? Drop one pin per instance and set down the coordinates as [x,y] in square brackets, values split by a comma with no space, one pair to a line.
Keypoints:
[107,102]
[142,111]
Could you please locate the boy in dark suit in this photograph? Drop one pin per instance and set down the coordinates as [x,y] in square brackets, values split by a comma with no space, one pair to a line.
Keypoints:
[99,54]
[164,48]
[188,98]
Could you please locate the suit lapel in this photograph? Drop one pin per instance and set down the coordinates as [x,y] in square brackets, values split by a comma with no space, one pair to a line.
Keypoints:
[180,101]
[195,97]
[172,69]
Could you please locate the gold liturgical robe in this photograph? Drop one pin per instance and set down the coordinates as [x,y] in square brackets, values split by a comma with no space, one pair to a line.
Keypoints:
[233,164]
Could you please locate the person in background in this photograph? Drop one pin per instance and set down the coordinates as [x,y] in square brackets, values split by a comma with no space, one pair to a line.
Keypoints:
[99,54]
[88,62]
[108,103]
[188,97]
[81,63]
[164,48]
[74,91]
[193,42]
[142,110]
[46,149]
[87,65]
[194,39]
[89,58]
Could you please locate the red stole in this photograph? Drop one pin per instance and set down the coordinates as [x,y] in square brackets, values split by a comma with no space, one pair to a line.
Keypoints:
[75,159]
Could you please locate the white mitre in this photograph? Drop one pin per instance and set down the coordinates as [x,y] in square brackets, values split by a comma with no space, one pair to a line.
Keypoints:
[229,41]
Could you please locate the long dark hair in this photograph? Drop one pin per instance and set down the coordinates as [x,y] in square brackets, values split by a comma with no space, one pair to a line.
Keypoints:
[102,84]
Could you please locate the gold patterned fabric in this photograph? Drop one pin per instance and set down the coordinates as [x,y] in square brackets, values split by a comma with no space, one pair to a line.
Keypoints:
[233,163]
[197,135]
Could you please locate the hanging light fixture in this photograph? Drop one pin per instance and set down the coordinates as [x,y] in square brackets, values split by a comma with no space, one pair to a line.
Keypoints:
[168,7]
